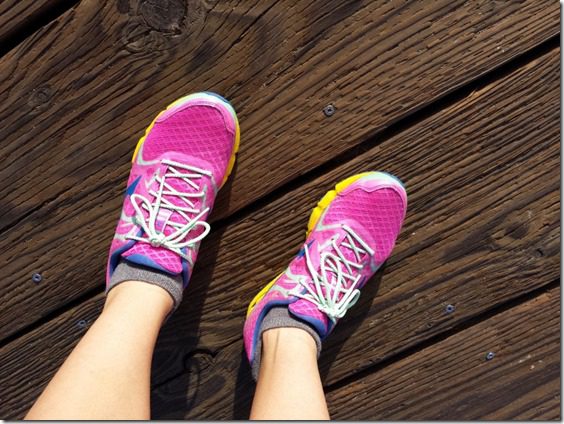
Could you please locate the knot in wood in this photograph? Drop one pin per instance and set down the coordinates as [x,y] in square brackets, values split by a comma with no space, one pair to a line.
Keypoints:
[163,15]
[40,97]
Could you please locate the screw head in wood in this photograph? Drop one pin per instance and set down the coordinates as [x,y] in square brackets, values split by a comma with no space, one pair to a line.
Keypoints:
[329,110]
[449,309]
[81,323]
[36,278]
[490,356]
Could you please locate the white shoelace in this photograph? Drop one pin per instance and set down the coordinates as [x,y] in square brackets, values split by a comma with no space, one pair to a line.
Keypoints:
[176,240]
[336,270]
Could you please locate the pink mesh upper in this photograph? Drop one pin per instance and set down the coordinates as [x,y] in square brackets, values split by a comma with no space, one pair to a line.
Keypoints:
[380,213]
[198,131]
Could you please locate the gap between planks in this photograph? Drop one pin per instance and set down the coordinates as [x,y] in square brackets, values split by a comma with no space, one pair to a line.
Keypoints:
[20,19]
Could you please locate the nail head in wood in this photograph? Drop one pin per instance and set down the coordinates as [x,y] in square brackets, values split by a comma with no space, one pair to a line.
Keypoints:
[81,323]
[449,309]
[490,356]
[36,278]
[329,110]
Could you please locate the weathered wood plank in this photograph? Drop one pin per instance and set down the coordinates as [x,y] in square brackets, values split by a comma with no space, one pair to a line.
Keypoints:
[17,15]
[68,112]
[452,380]
[482,228]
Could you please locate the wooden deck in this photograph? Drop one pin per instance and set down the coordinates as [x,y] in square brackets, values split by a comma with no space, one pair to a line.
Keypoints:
[460,99]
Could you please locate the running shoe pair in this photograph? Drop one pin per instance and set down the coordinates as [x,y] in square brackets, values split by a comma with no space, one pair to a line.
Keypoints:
[184,158]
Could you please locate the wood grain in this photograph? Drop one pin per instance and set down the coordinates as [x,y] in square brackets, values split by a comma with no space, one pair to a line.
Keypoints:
[452,380]
[482,228]
[70,110]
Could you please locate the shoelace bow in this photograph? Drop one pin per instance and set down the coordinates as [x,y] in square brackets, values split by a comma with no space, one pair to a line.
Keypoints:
[334,290]
[177,239]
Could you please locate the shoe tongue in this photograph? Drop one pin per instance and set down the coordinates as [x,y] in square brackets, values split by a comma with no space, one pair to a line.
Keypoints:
[160,258]
[156,258]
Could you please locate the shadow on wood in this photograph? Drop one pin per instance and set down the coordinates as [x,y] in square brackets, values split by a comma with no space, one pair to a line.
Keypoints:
[194,359]
[348,326]
[244,390]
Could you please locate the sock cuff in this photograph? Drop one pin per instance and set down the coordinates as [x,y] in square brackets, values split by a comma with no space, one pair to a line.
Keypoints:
[275,318]
[127,271]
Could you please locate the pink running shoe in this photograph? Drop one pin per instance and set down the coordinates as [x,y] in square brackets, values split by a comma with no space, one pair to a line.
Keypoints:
[351,232]
[179,165]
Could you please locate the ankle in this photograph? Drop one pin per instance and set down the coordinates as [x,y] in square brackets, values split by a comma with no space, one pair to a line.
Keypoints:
[140,296]
[130,272]
[288,338]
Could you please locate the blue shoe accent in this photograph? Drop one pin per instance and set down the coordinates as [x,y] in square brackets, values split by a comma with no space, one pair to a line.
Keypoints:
[145,261]
[395,178]
[185,269]
[115,256]
[131,188]
[302,250]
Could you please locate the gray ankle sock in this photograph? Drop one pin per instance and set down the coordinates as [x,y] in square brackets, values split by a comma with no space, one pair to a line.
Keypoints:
[275,318]
[128,271]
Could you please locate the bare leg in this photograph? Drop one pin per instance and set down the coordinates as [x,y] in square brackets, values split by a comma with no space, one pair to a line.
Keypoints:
[107,375]
[289,386]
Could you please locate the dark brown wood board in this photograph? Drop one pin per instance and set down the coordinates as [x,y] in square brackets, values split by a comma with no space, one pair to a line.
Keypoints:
[476,236]
[453,380]
[69,119]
